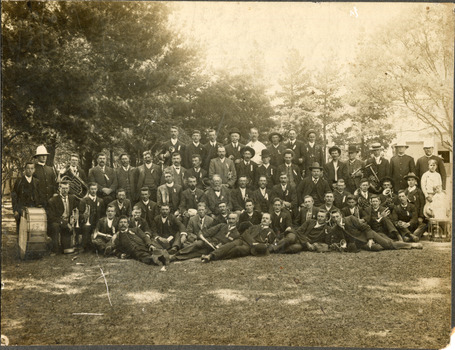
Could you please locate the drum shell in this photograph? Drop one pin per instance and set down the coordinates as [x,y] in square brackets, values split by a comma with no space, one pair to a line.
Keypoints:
[33,238]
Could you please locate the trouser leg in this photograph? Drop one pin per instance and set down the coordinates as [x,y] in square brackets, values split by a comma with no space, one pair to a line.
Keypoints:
[238,251]
[195,250]
[65,237]
[54,230]
[420,230]
[224,250]
[86,232]
[288,240]
[293,248]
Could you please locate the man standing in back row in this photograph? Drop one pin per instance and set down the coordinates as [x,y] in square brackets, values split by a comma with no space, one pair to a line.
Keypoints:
[105,178]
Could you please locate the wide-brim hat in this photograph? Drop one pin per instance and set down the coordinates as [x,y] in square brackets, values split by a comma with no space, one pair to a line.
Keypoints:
[376,146]
[410,176]
[277,134]
[428,144]
[235,131]
[335,148]
[309,132]
[248,148]
[265,153]
[401,144]
[315,165]
[353,149]
[387,178]
[41,151]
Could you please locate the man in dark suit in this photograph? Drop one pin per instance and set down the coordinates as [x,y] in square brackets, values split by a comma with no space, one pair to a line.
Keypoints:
[246,167]
[25,193]
[217,194]
[406,219]
[240,195]
[311,235]
[312,152]
[254,241]
[297,147]
[335,169]
[139,222]
[190,199]
[234,147]
[195,147]
[177,170]
[91,209]
[250,214]
[352,208]
[262,196]
[170,193]
[355,169]
[286,193]
[378,218]
[211,148]
[74,169]
[340,194]
[415,195]
[137,245]
[149,175]
[377,167]
[200,174]
[422,164]
[314,186]
[122,205]
[149,208]
[276,149]
[268,170]
[197,223]
[127,177]
[168,231]
[210,238]
[362,236]
[45,174]
[104,231]
[290,169]
[281,224]
[105,178]
[223,214]
[307,211]
[401,165]
[168,148]
[59,213]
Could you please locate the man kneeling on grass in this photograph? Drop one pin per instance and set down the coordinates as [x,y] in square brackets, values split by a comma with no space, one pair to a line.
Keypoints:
[134,243]
[209,239]
[360,235]
[254,241]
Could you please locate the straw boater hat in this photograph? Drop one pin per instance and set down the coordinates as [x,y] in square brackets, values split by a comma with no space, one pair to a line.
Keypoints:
[275,133]
[41,151]
[401,143]
[247,148]
[376,146]
[315,165]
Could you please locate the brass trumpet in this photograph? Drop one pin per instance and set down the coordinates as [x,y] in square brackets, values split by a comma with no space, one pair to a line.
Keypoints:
[86,215]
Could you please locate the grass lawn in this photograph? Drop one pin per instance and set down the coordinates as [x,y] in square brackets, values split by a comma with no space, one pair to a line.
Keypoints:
[385,299]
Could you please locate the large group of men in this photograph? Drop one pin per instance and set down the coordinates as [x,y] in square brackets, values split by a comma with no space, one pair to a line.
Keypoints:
[218,201]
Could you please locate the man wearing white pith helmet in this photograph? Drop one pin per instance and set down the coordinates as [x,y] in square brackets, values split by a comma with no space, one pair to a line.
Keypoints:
[45,174]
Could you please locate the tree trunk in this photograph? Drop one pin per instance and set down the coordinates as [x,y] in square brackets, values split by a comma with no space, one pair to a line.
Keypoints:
[87,163]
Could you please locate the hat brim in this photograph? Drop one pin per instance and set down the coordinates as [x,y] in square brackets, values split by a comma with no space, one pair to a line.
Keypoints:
[316,167]
[311,131]
[411,177]
[275,134]
[402,146]
[41,154]
[251,150]
[335,148]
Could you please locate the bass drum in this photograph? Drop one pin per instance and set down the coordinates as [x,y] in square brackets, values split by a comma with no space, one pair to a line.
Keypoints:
[33,239]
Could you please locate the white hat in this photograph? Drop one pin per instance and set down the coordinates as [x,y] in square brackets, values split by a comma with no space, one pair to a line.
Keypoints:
[41,151]
[401,143]
[428,144]
[192,212]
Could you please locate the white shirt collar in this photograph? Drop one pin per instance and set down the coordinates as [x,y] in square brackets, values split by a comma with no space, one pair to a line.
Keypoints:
[410,189]
[43,164]
[127,168]
[170,185]
[93,198]
[311,144]
[29,179]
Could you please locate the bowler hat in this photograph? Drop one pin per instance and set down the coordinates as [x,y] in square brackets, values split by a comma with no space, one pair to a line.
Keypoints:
[265,153]
[335,148]
[41,151]
[376,146]
[277,134]
[315,165]
[353,149]
[410,176]
[248,148]
[309,132]
[235,131]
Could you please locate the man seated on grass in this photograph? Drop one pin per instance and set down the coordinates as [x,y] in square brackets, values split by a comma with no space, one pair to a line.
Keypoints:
[210,239]
[360,235]
[138,221]
[250,214]
[190,199]
[168,231]
[352,208]
[311,236]
[262,196]
[198,222]
[105,229]
[388,198]
[378,218]
[240,195]
[328,205]
[254,241]
[340,194]
[282,226]
[223,212]
[307,211]
[405,219]
[134,243]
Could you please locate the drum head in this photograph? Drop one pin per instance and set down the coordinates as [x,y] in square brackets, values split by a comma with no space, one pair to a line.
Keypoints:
[23,236]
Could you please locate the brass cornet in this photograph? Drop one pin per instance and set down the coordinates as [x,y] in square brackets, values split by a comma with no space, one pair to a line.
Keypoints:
[86,215]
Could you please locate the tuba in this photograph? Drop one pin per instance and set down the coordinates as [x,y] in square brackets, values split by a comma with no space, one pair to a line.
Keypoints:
[78,187]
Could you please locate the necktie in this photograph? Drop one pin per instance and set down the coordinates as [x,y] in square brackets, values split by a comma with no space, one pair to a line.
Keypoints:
[65,206]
